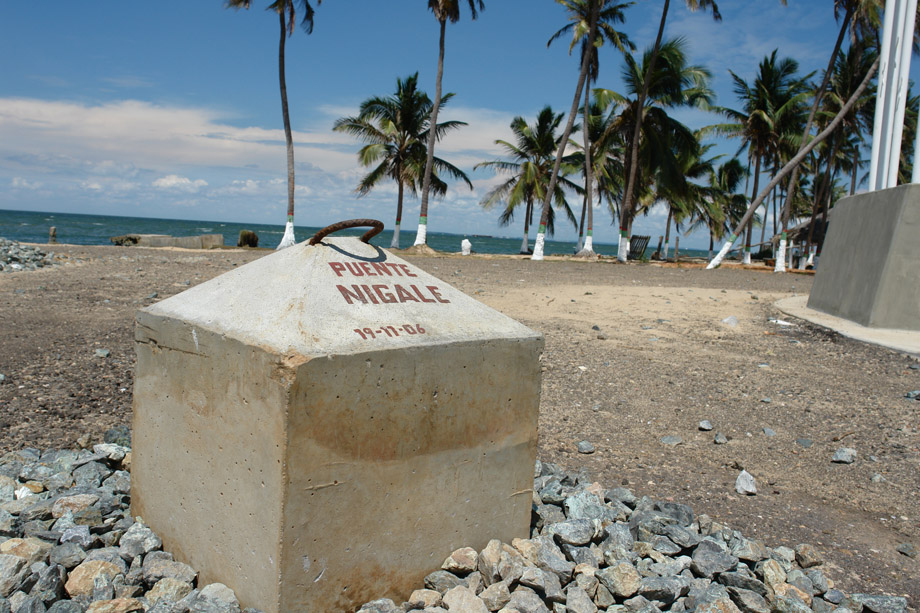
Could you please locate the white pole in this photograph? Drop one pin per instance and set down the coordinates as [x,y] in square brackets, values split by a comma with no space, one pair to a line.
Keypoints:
[879,127]
[904,35]
[915,176]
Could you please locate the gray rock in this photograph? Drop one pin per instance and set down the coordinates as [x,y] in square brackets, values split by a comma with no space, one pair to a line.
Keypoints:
[548,514]
[68,555]
[585,447]
[496,596]
[441,581]
[907,549]
[671,440]
[748,601]
[119,435]
[586,505]
[663,589]
[844,455]
[705,425]
[769,432]
[65,606]
[50,585]
[710,557]
[621,579]
[462,600]
[216,598]
[834,596]
[807,556]
[720,439]
[526,600]
[743,582]
[881,604]
[138,540]
[575,531]
[102,353]
[745,484]
[804,442]
[731,321]
[157,568]
[578,601]
[10,567]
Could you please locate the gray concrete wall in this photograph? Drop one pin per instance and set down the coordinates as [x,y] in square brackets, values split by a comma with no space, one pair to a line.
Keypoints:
[868,271]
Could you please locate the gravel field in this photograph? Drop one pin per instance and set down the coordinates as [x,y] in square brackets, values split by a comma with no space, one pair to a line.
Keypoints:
[637,356]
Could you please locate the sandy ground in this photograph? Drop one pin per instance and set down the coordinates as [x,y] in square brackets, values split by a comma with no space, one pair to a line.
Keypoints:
[659,362]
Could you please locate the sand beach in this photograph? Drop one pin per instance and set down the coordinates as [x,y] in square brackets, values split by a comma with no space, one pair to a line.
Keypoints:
[634,354]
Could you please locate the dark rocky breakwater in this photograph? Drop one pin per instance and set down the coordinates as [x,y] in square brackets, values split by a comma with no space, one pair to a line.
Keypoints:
[15,257]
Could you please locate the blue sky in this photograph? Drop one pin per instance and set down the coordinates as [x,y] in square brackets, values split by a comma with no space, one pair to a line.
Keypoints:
[172,109]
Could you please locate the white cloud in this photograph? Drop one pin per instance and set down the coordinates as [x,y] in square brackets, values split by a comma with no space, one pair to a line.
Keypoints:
[176,182]
[20,183]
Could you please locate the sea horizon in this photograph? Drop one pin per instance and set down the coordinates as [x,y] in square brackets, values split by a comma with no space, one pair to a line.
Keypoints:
[92,229]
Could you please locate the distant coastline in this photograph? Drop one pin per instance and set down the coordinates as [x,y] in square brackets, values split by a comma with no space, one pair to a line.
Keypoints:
[84,229]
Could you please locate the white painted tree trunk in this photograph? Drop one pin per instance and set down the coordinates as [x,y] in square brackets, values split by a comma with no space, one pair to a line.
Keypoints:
[525,244]
[589,243]
[538,246]
[422,237]
[717,261]
[781,255]
[665,251]
[580,244]
[746,259]
[288,239]
[623,248]
[811,256]
[394,244]
[466,247]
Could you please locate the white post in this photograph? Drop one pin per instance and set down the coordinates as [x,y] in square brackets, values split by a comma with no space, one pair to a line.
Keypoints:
[877,165]
[288,239]
[394,244]
[538,245]
[903,39]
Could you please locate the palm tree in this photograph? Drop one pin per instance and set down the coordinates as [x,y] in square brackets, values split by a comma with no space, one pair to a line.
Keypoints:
[863,15]
[610,13]
[771,108]
[287,18]
[532,159]
[444,11]
[396,130]
[632,163]
[675,84]
[724,205]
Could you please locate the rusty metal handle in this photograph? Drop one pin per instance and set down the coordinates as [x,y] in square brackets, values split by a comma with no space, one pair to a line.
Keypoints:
[377,228]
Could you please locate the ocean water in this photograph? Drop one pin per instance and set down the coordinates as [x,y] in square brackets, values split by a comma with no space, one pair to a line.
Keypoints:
[77,229]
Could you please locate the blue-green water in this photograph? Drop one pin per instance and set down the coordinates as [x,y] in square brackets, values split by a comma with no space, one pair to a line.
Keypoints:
[76,229]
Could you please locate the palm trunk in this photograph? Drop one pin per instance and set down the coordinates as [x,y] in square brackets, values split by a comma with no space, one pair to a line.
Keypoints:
[793,180]
[795,161]
[711,243]
[823,196]
[528,211]
[288,239]
[628,198]
[399,206]
[588,249]
[746,259]
[667,233]
[855,172]
[548,197]
[581,226]
[421,238]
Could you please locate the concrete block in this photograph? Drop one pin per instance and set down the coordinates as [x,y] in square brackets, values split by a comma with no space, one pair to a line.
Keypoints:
[325,425]
[869,272]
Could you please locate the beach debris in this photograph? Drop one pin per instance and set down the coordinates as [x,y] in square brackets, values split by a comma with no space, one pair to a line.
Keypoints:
[671,440]
[705,425]
[2,378]
[769,432]
[766,400]
[844,455]
[15,257]
[914,367]
[907,549]
[914,395]
[248,238]
[102,353]
[780,322]
[585,447]
[152,296]
[745,484]
[466,247]
[730,321]
[720,439]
